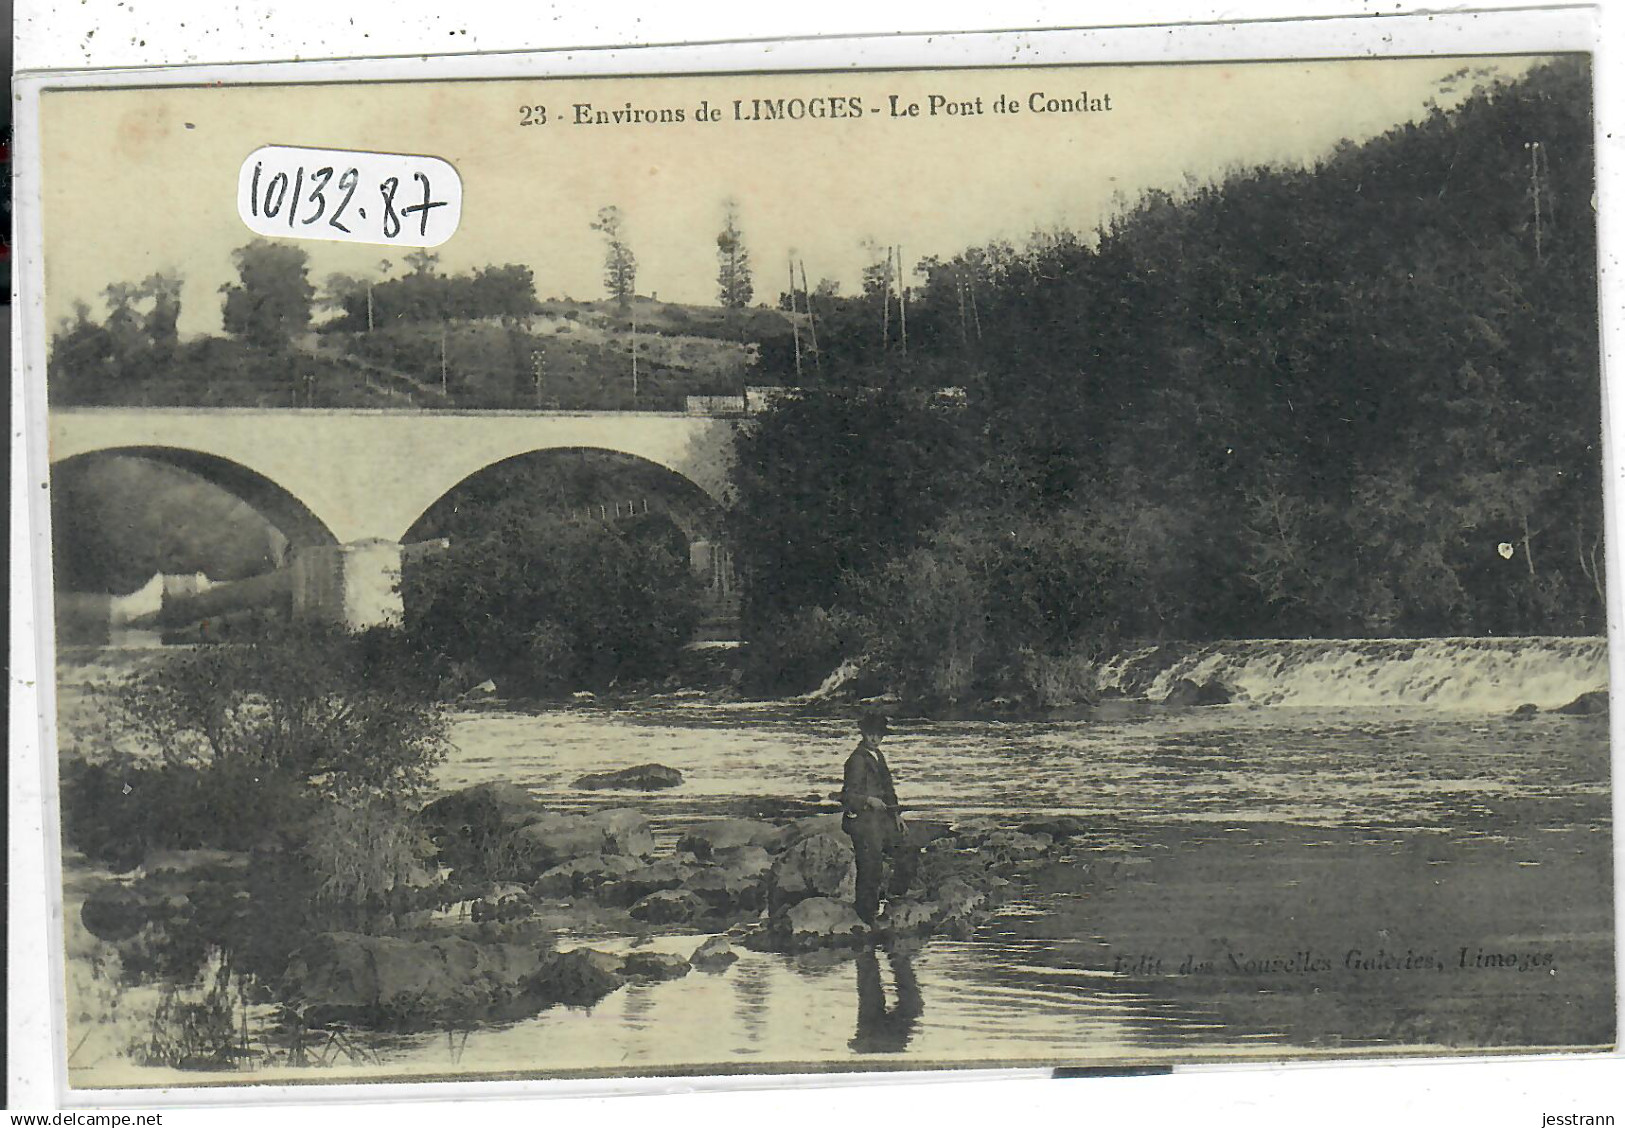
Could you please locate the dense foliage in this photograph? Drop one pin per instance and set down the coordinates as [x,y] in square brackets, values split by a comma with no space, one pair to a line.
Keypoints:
[241,745]
[543,602]
[345,715]
[272,303]
[620,264]
[1354,399]
[506,292]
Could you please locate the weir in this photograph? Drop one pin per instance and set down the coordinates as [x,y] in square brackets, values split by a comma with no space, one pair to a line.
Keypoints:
[1488,674]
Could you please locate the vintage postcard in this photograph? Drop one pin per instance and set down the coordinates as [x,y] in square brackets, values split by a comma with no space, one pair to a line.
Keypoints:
[828,571]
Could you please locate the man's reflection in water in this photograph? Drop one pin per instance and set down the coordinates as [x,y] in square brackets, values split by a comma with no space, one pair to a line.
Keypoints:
[882,1030]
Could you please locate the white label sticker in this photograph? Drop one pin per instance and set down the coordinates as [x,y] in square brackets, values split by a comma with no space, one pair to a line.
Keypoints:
[349,197]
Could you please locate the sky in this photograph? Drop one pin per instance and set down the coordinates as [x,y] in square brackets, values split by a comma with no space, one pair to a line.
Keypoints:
[137,181]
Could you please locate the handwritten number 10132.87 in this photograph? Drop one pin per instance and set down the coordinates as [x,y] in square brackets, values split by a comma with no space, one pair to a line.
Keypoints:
[280,192]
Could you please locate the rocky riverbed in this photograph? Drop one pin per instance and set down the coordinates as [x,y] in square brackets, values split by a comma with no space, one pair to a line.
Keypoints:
[479,936]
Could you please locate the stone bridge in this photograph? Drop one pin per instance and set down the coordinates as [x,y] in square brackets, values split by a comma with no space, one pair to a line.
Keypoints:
[345,486]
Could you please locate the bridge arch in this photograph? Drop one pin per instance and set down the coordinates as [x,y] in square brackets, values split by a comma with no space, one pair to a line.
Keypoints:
[598,484]
[589,481]
[279,506]
[132,525]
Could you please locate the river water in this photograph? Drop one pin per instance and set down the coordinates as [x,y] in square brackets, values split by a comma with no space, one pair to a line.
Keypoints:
[1264,832]
[1390,766]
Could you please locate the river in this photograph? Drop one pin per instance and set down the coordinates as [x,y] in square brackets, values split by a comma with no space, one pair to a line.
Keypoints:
[1277,880]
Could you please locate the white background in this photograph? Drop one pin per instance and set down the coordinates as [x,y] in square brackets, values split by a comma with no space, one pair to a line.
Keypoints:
[54,34]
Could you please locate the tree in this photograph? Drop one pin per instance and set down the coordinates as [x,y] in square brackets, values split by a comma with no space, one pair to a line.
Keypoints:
[343,293]
[124,324]
[314,740]
[273,301]
[422,261]
[734,289]
[80,367]
[1295,401]
[544,603]
[620,265]
[835,484]
[505,292]
[164,291]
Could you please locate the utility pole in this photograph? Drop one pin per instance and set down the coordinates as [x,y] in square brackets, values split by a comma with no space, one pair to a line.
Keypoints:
[812,318]
[959,288]
[902,299]
[1537,161]
[886,303]
[634,357]
[795,330]
[384,267]
[443,385]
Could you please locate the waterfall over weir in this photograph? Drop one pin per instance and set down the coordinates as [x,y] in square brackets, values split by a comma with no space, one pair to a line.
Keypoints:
[1490,674]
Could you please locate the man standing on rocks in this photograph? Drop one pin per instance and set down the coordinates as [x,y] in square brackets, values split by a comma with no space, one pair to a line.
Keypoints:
[869,814]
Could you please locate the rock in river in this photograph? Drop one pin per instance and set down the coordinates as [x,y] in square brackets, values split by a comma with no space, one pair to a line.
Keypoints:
[634,885]
[723,834]
[389,981]
[118,912]
[644,777]
[1003,848]
[819,866]
[1058,826]
[909,918]
[804,828]
[713,955]
[1587,704]
[817,922]
[958,902]
[1186,692]
[467,823]
[578,978]
[669,906]
[554,838]
[654,966]
[724,889]
[583,875]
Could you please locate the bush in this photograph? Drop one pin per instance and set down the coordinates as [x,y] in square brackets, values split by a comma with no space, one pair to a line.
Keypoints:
[343,714]
[793,653]
[235,746]
[1020,607]
[926,626]
[117,813]
[1049,680]
[364,855]
[544,603]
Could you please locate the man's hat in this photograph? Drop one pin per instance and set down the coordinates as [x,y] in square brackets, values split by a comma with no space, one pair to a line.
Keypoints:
[873,724]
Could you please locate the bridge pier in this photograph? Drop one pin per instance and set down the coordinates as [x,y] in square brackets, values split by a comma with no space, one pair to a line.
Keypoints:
[712,564]
[354,585]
